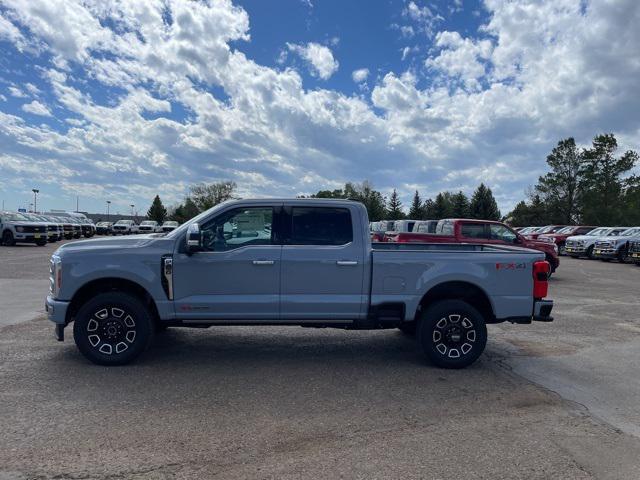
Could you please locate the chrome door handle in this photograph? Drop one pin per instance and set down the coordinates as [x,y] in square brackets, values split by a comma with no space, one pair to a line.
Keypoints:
[346,263]
[263,262]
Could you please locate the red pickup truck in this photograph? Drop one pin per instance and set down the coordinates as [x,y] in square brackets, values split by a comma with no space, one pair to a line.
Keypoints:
[460,230]
[560,237]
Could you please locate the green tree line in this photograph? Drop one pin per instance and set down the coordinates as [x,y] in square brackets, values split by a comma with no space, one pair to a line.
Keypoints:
[589,186]
[481,205]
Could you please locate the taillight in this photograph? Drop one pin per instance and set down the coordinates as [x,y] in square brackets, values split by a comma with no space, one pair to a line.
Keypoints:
[541,271]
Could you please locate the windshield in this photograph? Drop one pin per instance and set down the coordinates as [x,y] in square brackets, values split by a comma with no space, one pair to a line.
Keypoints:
[182,228]
[170,224]
[630,232]
[122,222]
[148,222]
[14,217]
[566,230]
[597,231]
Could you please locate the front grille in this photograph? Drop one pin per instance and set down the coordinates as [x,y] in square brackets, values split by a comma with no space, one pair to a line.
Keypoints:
[634,247]
[34,229]
[144,229]
[604,244]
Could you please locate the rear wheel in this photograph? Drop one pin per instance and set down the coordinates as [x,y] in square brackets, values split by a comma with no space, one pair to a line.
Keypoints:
[452,334]
[113,329]
[7,238]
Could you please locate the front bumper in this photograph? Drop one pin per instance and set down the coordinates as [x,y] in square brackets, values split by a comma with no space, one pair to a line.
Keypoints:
[30,237]
[56,310]
[575,251]
[634,257]
[605,252]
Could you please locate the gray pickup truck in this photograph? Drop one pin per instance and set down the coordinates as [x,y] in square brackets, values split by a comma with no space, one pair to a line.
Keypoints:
[306,262]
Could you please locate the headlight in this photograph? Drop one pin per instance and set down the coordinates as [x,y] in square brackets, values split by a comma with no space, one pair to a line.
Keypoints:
[19,229]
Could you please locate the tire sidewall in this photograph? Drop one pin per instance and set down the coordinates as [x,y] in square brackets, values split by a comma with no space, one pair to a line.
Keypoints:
[432,316]
[132,306]
[7,238]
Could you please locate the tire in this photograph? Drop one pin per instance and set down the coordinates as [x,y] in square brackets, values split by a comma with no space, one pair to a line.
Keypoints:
[41,243]
[562,249]
[7,239]
[589,253]
[103,329]
[452,334]
[408,328]
[622,255]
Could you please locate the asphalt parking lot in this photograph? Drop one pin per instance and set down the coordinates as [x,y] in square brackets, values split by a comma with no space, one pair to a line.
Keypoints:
[545,401]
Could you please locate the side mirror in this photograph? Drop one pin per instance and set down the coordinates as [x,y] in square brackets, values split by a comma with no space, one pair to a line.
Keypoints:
[194,239]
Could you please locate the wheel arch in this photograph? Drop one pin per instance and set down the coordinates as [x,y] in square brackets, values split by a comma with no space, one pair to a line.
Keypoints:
[459,290]
[110,284]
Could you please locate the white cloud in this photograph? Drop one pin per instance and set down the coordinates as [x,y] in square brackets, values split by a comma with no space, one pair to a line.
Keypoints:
[360,75]
[318,56]
[461,58]
[190,105]
[37,108]
[3,98]
[423,16]
[16,92]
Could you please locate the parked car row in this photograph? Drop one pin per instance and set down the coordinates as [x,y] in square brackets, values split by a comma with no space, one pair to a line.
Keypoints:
[129,227]
[584,241]
[21,227]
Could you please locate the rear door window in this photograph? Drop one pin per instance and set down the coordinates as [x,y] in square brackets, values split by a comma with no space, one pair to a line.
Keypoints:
[473,230]
[320,226]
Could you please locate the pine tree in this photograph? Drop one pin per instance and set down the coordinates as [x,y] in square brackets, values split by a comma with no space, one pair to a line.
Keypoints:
[602,180]
[395,207]
[185,211]
[560,188]
[442,206]
[483,204]
[417,209]
[429,209]
[157,211]
[460,207]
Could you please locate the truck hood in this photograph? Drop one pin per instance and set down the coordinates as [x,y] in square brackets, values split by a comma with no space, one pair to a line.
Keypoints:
[115,243]
[616,238]
[583,237]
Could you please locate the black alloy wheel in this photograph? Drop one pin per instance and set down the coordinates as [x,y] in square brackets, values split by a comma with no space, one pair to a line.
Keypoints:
[452,333]
[113,328]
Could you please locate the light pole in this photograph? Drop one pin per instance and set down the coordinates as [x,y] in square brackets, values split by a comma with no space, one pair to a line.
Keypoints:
[132,205]
[35,199]
[108,204]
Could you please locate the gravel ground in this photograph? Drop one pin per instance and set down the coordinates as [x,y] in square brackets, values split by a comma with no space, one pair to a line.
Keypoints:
[288,402]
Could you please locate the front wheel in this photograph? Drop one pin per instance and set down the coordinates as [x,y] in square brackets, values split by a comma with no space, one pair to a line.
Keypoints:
[113,328]
[41,243]
[452,334]
[590,253]
[7,239]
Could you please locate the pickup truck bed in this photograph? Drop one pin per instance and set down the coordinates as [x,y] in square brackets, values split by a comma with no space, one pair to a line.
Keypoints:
[301,262]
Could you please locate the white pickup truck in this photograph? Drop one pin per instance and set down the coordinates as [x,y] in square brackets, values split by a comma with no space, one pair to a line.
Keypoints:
[305,262]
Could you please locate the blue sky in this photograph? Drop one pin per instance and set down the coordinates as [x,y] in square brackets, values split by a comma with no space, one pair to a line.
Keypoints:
[122,100]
